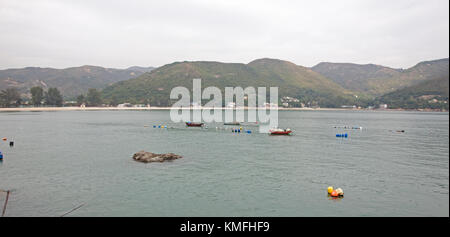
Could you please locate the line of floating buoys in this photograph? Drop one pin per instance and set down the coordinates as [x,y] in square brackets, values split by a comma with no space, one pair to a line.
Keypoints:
[160,126]
[239,130]
[335,192]
[349,127]
[344,135]
[234,130]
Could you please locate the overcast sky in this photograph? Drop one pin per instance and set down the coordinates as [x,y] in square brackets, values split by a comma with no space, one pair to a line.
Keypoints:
[119,34]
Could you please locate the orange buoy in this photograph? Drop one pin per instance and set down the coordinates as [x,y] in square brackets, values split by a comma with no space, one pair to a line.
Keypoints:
[334,193]
[4,139]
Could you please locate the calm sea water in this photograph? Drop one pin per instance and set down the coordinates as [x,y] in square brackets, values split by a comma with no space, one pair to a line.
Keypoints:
[63,159]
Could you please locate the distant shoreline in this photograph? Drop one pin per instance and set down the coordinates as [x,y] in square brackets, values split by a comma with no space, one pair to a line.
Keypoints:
[75,108]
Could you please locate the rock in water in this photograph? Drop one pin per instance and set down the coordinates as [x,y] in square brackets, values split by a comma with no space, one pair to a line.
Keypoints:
[147,157]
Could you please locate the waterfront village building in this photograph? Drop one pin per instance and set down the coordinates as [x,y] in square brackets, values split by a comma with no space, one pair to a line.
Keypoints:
[383,106]
[141,105]
[286,100]
[231,105]
[270,105]
[195,105]
[124,105]
[289,99]
[348,106]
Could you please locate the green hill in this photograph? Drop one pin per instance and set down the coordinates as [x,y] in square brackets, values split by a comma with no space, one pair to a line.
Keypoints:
[70,81]
[430,94]
[324,85]
[376,80]
[356,77]
[293,80]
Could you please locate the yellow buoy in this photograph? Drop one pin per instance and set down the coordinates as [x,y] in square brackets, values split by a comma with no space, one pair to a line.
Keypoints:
[330,190]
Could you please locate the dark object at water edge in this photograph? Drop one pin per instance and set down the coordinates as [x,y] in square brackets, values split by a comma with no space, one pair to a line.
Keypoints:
[147,157]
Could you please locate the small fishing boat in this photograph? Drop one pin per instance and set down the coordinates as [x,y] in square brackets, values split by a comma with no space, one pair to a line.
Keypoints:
[278,131]
[232,123]
[191,124]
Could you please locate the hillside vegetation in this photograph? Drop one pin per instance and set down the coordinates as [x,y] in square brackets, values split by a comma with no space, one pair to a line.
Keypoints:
[432,94]
[376,80]
[422,86]
[70,81]
[293,80]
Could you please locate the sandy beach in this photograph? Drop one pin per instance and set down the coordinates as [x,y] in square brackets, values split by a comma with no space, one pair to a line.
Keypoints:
[76,108]
[119,108]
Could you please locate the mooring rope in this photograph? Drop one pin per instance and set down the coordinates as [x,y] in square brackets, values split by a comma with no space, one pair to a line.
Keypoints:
[6,201]
[73,210]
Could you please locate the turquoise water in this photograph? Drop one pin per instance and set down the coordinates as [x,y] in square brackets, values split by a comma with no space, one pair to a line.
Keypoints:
[63,159]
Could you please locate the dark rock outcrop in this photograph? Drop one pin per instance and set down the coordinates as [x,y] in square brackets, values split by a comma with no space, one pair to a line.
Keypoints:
[147,157]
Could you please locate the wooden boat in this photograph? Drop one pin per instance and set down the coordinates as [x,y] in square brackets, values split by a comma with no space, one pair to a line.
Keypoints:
[191,124]
[278,131]
[232,123]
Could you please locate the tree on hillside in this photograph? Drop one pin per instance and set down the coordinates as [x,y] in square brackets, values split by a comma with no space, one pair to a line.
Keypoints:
[53,97]
[93,97]
[9,97]
[37,95]
[81,100]
[114,101]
